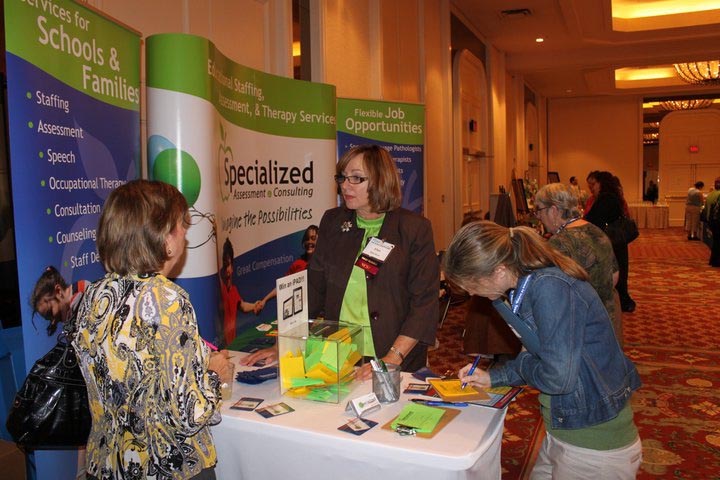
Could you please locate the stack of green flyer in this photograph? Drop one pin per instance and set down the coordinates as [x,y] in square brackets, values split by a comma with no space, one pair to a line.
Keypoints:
[421,418]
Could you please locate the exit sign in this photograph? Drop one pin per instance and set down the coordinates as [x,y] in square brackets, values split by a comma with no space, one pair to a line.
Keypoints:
[694,149]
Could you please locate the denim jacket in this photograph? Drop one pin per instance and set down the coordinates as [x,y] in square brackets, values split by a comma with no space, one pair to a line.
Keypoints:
[577,360]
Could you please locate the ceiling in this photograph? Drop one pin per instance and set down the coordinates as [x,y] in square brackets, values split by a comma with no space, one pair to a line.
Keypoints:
[584,45]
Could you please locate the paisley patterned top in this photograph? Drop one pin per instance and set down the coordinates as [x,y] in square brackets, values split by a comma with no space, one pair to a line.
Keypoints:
[151,395]
[592,250]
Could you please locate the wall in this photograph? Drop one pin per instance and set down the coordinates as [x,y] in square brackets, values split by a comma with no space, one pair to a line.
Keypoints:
[679,167]
[395,51]
[603,133]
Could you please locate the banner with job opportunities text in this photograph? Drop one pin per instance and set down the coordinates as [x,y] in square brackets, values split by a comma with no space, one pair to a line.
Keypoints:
[254,154]
[399,127]
[74,132]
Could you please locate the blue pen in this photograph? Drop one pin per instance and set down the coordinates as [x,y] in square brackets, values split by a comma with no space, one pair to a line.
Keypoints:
[472,370]
[440,403]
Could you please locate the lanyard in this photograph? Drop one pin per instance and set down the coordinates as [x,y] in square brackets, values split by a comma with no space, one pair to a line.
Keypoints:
[562,227]
[516,295]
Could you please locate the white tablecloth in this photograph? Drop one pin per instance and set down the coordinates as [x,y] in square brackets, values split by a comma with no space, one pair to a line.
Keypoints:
[306,444]
[648,215]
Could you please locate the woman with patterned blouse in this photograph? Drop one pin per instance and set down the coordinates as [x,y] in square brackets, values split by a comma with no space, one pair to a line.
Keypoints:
[556,206]
[152,385]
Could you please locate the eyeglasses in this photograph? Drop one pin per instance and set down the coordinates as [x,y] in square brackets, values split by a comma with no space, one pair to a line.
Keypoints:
[353,179]
[536,211]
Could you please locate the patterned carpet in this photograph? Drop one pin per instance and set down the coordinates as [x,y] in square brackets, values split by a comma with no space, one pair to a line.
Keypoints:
[673,339]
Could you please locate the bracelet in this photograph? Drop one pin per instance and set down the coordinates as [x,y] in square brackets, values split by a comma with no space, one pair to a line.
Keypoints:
[398,353]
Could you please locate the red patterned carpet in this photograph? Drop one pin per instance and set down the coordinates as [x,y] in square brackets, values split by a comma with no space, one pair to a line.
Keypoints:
[673,339]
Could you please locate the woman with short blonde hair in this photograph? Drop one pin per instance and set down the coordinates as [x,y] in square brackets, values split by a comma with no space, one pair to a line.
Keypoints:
[556,208]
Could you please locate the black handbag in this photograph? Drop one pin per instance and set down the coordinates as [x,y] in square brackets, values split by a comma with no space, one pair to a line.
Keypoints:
[622,230]
[51,409]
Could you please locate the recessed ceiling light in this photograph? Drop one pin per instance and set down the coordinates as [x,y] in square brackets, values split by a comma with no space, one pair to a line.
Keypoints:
[539,40]
[569,90]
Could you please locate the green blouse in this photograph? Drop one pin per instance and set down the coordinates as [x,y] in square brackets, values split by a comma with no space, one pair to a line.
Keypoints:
[355,301]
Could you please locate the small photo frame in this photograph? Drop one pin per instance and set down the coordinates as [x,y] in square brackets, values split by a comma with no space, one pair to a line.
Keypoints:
[521,204]
[417,388]
[247,403]
[553,177]
[297,300]
[357,426]
[275,410]
[288,308]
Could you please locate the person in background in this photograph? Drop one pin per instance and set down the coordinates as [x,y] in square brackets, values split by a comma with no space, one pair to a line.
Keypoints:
[651,194]
[269,354]
[571,354]
[398,303]
[608,206]
[231,298]
[594,190]
[711,215]
[153,386]
[55,300]
[556,207]
[693,208]
[58,302]
[308,242]
[580,194]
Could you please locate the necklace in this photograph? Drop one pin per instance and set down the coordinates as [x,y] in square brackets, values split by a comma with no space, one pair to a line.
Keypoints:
[562,227]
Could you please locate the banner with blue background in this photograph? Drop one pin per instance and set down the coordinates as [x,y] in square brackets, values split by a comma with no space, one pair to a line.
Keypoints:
[398,127]
[74,133]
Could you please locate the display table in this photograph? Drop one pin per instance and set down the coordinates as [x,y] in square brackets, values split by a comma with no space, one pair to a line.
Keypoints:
[306,444]
[648,215]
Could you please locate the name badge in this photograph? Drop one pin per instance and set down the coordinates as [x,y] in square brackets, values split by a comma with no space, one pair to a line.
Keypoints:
[374,255]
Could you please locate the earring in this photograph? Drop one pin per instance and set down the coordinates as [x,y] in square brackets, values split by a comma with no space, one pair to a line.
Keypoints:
[169,252]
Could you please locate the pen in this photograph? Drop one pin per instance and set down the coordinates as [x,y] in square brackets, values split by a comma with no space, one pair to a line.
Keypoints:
[472,370]
[440,403]
[379,366]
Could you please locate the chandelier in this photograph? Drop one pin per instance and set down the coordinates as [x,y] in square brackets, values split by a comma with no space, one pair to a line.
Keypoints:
[691,104]
[700,73]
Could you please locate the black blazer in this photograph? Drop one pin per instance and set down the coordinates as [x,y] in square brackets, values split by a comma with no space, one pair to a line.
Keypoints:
[402,297]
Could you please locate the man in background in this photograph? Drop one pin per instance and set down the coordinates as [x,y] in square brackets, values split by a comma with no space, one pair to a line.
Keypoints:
[651,194]
[693,207]
[712,217]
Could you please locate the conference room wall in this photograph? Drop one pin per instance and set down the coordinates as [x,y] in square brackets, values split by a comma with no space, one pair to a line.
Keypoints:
[397,51]
[394,51]
[603,133]
[245,31]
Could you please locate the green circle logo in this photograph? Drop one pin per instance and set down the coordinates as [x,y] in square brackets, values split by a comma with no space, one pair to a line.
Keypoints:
[178,168]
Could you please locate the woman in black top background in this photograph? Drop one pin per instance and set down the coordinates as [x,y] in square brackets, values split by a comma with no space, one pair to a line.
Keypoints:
[608,206]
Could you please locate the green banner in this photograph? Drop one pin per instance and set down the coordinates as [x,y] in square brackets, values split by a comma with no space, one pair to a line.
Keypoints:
[78,47]
[382,121]
[245,97]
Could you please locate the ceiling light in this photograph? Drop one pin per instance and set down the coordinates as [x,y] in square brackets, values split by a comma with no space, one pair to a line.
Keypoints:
[656,8]
[699,73]
[539,40]
[691,104]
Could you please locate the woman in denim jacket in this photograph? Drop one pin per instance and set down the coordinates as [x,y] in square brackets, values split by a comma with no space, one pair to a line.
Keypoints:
[570,351]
